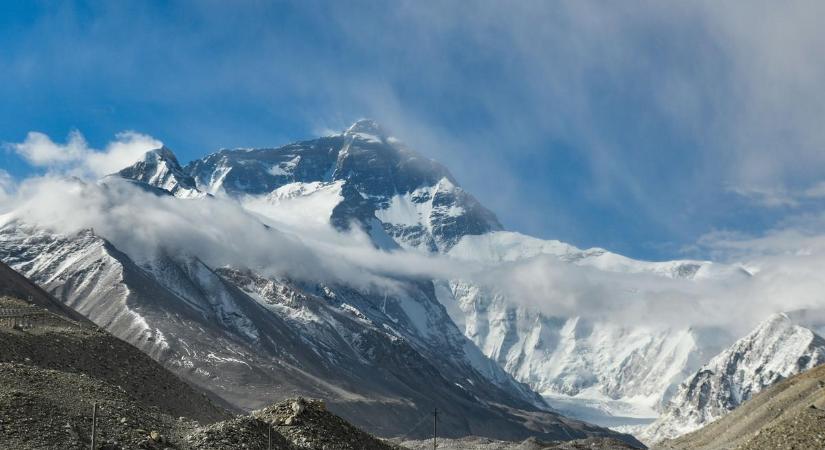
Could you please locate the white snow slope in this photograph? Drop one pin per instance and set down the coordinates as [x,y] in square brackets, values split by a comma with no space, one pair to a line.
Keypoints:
[601,371]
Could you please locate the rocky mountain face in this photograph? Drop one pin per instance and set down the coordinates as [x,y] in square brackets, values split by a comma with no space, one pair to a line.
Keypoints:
[775,350]
[416,200]
[160,169]
[252,340]
[53,371]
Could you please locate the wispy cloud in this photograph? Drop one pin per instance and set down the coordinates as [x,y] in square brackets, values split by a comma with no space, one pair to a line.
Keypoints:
[76,157]
[6,189]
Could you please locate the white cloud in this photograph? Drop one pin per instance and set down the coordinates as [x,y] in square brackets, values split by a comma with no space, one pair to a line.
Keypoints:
[774,197]
[127,148]
[39,150]
[6,188]
[76,157]
[785,262]
[816,191]
[141,224]
[780,195]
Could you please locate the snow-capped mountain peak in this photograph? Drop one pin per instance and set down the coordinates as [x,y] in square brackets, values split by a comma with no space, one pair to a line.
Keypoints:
[380,180]
[368,130]
[776,349]
[160,169]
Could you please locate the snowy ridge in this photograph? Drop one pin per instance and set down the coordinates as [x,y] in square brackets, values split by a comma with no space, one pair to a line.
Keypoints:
[775,350]
[160,169]
[595,370]
[506,246]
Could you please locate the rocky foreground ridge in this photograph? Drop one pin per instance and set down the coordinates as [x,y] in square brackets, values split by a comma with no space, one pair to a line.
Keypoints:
[58,370]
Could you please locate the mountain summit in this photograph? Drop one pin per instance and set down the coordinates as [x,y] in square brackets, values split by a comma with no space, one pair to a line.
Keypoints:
[388,190]
[159,168]
[366,127]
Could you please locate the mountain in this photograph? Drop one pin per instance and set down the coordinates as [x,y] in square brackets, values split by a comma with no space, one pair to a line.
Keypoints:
[598,370]
[788,414]
[416,201]
[160,168]
[15,285]
[382,355]
[368,178]
[775,350]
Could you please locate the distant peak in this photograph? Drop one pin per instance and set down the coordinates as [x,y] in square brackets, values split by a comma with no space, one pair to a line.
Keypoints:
[163,153]
[366,126]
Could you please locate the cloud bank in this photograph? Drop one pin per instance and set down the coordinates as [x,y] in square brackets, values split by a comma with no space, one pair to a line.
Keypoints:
[783,262]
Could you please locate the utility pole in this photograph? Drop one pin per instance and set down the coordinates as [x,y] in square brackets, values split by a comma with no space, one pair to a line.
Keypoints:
[269,438]
[94,424]
[435,428]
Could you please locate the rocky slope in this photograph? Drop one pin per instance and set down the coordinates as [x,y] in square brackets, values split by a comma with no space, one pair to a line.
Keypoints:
[475,443]
[775,350]
[789,415]
[53,373]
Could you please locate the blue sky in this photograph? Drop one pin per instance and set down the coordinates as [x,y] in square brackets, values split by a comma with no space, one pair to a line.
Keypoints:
[635,126]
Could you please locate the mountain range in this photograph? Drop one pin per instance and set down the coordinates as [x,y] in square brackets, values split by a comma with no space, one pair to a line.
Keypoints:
[254,322]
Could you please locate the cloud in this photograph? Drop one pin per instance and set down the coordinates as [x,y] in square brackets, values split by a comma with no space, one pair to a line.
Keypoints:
[76,157]
[654,109]
[784,262]
[143,224]
[6,189]
[775,197]
[38,149]
[784,269]
[641,114]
